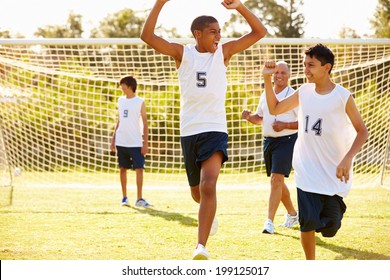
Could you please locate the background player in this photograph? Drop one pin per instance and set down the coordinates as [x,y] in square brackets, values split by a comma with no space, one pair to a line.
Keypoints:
[130,138]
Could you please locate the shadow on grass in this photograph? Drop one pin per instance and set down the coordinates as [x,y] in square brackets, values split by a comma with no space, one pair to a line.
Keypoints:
[351,254]
[169,216]
[345,253]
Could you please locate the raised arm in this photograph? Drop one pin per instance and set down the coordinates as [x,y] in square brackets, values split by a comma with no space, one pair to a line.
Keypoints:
[159,44]
[257,32]
[276,107]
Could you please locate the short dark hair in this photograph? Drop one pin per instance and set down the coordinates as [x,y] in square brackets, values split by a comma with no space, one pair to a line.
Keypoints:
[201,22]
[322,53]
[130,82]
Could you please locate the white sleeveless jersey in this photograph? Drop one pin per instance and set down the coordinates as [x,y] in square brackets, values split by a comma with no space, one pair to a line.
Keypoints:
[203,86]
[130,129]
[268,119]
[325,134]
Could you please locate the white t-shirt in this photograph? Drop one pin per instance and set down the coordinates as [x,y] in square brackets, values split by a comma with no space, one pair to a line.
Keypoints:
[130,129]
[325,134]
[203,85]
[268,119]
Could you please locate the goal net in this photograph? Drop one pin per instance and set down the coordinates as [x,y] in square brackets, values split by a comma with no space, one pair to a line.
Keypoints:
[58,108]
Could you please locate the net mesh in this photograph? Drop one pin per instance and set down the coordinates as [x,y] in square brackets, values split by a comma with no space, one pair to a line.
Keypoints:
[58,108]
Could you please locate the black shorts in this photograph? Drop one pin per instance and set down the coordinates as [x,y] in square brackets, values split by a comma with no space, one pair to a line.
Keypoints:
[200,147]
[130,157]
[322,213]
[278,153]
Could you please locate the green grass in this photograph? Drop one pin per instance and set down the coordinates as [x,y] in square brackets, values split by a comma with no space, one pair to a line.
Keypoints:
[89,224]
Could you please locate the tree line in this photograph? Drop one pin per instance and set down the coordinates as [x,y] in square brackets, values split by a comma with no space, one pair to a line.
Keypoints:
[282,18]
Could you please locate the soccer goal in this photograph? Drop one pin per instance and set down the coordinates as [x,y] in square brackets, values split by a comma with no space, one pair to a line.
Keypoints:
[58,101]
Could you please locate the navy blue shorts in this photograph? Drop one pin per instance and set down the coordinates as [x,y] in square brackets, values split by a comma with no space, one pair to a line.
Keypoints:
[322,213]
[130,157]
[278,153]
[200,147]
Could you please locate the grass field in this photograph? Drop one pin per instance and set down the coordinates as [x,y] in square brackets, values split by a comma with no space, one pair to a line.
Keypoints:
[90,224]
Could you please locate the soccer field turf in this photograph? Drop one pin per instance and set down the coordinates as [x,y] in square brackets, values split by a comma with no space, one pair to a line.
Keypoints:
[90,224]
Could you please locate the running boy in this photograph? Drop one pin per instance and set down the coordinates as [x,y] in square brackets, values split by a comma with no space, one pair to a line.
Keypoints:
[330,133]
[203,83]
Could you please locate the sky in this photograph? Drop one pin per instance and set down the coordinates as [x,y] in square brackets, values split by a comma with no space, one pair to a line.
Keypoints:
[324,18]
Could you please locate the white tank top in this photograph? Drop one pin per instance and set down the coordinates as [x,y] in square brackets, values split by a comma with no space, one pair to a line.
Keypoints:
[268,119]
[203,85]
[325,134]
[130,129]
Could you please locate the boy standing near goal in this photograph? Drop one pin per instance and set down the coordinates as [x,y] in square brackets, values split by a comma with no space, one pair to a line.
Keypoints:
[130,138]
[280,134]
[203,83]
[330,133]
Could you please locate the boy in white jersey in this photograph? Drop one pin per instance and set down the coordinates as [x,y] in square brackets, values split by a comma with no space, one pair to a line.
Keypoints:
[279,136]
[130,138]
[330,133]
[203,84]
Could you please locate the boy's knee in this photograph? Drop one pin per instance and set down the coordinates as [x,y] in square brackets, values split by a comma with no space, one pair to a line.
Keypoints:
[208,184]
[329,233]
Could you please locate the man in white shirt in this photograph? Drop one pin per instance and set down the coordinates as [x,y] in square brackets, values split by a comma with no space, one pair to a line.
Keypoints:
[280,134]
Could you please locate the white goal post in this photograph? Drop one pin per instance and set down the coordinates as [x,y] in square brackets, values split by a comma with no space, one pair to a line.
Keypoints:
[58,101]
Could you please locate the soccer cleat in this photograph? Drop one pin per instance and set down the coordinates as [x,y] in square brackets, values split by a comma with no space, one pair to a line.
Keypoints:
[142,203]
[268,227]
[214,227]
[200,253]
[125,202]
[290,220]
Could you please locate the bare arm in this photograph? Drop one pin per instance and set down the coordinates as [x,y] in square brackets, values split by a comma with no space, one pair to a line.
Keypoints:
[276,107]
[279,126]
[159,44]
[257,32]
[252,118]
[145,146]
[112,146]
[342,171]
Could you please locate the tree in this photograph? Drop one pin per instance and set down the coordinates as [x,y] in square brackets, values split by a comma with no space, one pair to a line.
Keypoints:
[7,34]
[126,23]
[122,24]
[75,25]
[381,21]
[347,32]
[73,28]
[281,20]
